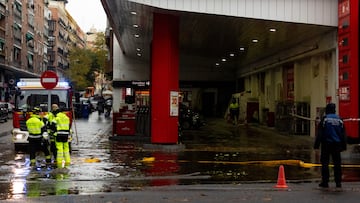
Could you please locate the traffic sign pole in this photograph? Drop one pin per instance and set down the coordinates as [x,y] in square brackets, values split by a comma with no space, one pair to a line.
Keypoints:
[49,101]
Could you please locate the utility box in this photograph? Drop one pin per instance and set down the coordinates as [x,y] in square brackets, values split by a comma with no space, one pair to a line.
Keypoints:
[124,123]
[125,127]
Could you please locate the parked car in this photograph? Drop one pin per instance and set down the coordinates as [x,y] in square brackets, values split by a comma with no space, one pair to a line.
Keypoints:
[3,112]
[10,107]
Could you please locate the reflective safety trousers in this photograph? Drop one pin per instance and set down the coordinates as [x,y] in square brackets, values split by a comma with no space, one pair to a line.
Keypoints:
[63,153]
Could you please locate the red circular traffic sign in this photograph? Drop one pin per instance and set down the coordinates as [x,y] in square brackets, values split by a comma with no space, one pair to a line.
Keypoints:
[49,79]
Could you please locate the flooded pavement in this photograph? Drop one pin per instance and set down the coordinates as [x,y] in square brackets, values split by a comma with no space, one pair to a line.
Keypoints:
[217,153]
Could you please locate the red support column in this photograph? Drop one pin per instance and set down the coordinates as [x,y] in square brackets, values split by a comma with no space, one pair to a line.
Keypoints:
[348,36]
[164,78]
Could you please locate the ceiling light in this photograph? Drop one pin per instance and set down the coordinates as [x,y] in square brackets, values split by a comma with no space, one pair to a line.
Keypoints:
[272,30]
[255,40]
[223,59]
[138,54]
[138,49]
[242,48]
[232,55]
[133,12]
[135,26]
[137,35]
[217,64]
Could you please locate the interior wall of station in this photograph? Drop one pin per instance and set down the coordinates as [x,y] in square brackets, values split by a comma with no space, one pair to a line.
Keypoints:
[315,81]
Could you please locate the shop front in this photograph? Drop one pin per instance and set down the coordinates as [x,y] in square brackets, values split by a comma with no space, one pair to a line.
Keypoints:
[132,118]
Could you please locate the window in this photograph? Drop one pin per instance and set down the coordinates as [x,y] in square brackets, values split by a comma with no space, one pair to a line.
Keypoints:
[17,54]
[31,20]
[29,37]
[30,59]
[345,59]
[18,6]
[2,46]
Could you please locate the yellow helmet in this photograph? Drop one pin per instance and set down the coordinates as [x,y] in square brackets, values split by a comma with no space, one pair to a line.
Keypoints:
[36,110]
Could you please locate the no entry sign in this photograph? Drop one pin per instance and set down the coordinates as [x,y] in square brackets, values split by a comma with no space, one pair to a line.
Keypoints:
[49,79]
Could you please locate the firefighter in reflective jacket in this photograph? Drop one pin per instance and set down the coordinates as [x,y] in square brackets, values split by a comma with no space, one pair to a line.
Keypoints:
[234,111]
[62,126]
[36,128]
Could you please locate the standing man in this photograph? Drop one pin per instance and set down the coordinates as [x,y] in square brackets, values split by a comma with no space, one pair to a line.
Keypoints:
[331,136]
[100,105]
[36,128]
[234,111]
[62,123]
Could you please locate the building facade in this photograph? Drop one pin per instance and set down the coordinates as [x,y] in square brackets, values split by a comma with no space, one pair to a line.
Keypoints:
[35,36]
[64,33]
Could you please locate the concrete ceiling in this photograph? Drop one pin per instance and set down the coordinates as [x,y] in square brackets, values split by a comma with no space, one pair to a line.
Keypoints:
[209,37]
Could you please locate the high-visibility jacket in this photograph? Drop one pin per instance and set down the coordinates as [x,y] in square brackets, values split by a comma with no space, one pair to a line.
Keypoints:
[35,126]
[62,122]
[234,106]
[50,117]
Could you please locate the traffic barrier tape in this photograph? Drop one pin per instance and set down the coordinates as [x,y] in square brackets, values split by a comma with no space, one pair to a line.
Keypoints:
[309,119]
[351,119]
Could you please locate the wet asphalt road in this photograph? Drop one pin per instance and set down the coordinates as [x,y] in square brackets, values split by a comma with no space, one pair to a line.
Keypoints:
[232,160]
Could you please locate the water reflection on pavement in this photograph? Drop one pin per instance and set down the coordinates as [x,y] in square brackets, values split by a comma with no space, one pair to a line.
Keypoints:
[217,153]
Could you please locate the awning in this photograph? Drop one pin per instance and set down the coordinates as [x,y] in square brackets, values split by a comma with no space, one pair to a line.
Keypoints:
[17,26]
[29,37]
[18,6]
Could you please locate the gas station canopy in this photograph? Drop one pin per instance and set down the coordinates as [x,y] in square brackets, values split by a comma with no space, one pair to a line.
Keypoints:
[208,40]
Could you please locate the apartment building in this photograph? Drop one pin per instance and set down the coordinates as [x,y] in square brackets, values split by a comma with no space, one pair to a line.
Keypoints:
[64,33]
[35,36]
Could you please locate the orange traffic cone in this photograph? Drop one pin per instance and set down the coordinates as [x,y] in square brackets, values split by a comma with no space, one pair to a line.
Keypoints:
[281,183]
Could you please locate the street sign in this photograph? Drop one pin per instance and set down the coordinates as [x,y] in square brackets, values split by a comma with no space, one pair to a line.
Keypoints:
[49,79]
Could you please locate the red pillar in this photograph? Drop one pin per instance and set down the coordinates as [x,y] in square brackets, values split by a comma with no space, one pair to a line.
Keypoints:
[348,36]
[164,78]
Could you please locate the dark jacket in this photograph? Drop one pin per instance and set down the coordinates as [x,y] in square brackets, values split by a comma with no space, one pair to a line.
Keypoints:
[331,130]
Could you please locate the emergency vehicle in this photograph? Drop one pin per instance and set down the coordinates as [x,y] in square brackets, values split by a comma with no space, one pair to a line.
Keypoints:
[30,93]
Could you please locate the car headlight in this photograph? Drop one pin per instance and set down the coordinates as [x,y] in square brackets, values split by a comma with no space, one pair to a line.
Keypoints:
[45,135]
[19,136]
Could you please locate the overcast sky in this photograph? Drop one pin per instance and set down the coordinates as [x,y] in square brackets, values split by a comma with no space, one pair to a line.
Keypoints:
[87,14]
